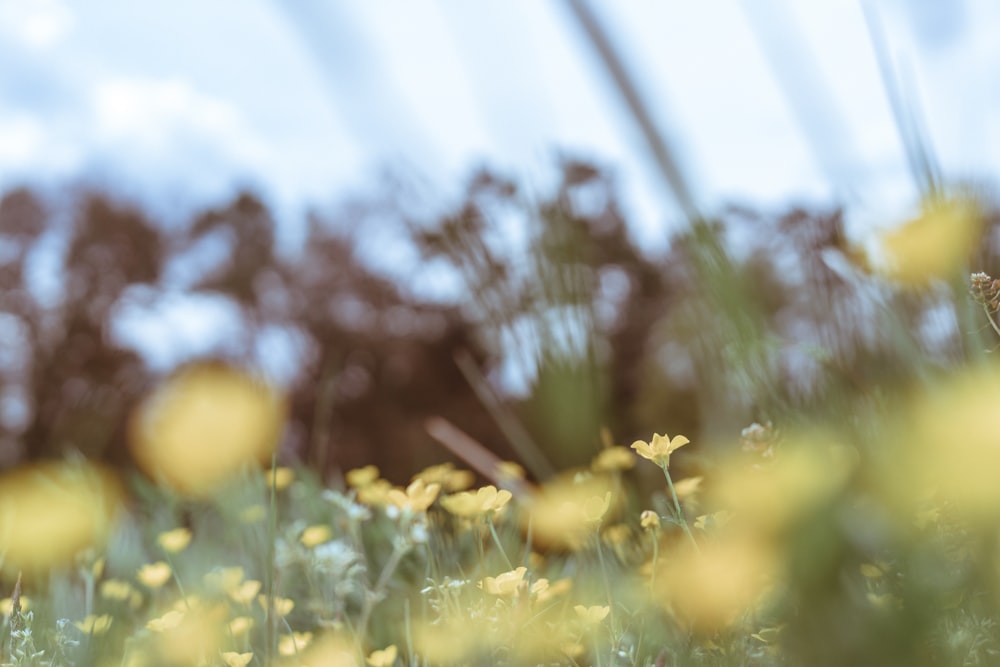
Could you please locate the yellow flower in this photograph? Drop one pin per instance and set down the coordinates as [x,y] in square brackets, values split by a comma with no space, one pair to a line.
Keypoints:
[240,625]
[245,592]
[174,540]
[7,605]
[253,514]
[154,575]
[447,476]
[116,589]
[282,606]
[417,497]
[362,477]
[565,511]
[659,450]
[505,584]
[226,579]
[94,625]
[468,504]
[204,424]
[613,458]
[375,493]
[234,659]
[595,507]
[649,520]
[591,615]
[291,644]
[545,591]
[383,658]
[870,571]
[509,470]
[316,535]
[168,621]
[934,244]
[282,478]
[51,511]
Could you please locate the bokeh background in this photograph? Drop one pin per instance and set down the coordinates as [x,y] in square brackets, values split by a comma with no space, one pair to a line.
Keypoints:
[536,220]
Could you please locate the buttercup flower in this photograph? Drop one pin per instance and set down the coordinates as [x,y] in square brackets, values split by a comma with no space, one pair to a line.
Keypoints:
[591,615]
[417,497]
[316,535]
[383,658]
[168,621]
[94,625]
[245,592]
[613,458]
[282,478]
[505,584]
[174,540]
[282,606]
[472,504]
[154,575]
[234,659]
[659,450]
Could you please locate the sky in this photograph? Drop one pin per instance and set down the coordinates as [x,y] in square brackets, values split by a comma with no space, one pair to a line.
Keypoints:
[184,101]
[763,102]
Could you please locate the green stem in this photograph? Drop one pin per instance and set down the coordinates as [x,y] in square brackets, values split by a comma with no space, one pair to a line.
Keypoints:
[398,551]
[680,513]
[989,318]
[496,541]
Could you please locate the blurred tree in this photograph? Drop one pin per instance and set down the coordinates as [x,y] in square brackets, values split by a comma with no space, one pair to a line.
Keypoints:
[565,325]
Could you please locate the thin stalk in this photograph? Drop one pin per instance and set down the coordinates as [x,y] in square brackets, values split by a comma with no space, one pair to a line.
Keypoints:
[496,541]
[989,318]
[680,513]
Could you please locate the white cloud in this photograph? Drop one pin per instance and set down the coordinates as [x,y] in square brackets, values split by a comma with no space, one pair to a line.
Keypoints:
[36,24]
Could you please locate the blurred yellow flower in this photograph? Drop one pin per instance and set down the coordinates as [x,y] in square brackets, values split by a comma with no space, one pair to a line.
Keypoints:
[509,471]
[591,615]
[239,626]
[447,476]
[613,458]
[649,520]
[712,587]
[316,535]
[154,575]
[504,585]
[417,497]
[116,589]
[595,507]
[935,244]
[245,592]
[687,489]
[233,659]
[174,541]
[283,477]
[471,504]
[289,645]
[204,424]
[224,579]
[660,448]
[7,605]
[384,658]
[94,625]
[565,511]
[543,590]
[282,606]
[168,621]
[870,571]
[949,449]
[253,514]
[376,493]
[52,511]
[361,477]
